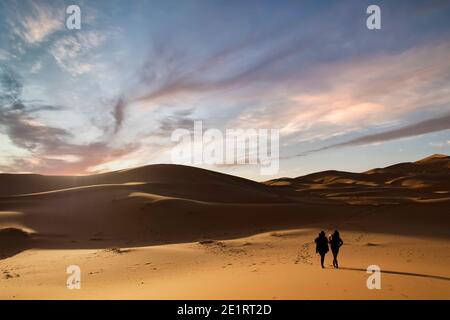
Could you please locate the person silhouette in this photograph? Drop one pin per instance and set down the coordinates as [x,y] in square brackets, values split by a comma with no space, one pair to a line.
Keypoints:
[322,247]
[335,243]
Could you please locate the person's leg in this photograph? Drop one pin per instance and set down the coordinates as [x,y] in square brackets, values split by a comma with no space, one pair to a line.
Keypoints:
[335,258]
[322,259]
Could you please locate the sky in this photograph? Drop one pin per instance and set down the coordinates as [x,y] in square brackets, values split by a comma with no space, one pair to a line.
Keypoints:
[108,96]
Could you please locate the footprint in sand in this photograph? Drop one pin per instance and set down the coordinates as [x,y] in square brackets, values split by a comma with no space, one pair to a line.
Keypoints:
[7,275]
[304,256]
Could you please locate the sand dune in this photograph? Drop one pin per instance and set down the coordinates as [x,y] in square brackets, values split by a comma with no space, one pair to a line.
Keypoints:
[428,178]
[169,178]
[168,231]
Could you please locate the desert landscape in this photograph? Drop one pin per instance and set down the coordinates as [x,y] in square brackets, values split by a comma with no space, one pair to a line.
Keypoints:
[178,232]
[195,150]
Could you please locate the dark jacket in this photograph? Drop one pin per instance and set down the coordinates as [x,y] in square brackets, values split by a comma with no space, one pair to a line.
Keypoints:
[321,244]
[336,242]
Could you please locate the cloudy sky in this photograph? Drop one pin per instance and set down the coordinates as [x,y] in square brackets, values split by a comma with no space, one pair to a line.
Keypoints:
[108,96]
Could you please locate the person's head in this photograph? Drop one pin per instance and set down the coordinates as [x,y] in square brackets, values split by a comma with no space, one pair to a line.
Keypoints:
[336,233]
[322,233]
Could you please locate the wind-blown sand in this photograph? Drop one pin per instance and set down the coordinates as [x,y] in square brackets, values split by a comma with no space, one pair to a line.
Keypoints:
[170,232]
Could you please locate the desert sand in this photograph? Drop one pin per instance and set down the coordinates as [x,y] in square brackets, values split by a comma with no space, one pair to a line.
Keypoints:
[177,232]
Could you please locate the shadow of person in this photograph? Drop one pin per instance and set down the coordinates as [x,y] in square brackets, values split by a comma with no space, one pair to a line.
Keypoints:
[412,274]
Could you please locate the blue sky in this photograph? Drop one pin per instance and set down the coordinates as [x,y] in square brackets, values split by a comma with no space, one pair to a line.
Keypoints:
[109,95]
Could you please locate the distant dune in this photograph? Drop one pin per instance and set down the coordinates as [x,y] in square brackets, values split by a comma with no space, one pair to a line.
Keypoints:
[167,209]
[424,180]
[172,179]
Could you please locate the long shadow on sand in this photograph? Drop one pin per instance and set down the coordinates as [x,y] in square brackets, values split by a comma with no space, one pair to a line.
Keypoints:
[412,274]
[12,242]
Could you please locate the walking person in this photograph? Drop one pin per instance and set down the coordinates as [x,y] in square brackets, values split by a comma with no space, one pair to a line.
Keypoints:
[322,247]
[335,244]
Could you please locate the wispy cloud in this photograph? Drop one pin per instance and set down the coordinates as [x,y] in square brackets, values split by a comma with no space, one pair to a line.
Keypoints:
[440,144]
[4,55]
[118,114]
[168,72]
[71,52]
[70,159]
[231,67]
[180,119]
[412,130]
[50,148]
[36,67]
[37,22]
[353,95]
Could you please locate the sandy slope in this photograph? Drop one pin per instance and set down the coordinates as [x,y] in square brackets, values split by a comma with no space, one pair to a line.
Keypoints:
[395,217]
[279,265]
